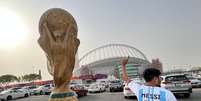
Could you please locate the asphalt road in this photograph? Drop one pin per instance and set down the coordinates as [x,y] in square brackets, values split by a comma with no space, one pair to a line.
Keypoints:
[107,96]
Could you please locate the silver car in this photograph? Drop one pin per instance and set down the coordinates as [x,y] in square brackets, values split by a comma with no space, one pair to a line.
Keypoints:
[195,82]
[177,83]
[12,94]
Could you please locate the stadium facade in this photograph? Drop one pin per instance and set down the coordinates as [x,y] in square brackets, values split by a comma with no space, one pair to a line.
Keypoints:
[106,60]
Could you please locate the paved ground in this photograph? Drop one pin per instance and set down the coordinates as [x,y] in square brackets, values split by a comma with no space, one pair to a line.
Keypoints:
[118,96]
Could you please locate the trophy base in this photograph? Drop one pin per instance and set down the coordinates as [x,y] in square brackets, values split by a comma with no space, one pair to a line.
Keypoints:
[68,96]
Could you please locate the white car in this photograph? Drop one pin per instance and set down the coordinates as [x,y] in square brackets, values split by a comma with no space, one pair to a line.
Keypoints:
[30,89]
[115,85]
[177,84]
[104,81]
[102,86]
[194,81]
[45,89]
[94,88]
[22,89]
[127,92]
[12,94]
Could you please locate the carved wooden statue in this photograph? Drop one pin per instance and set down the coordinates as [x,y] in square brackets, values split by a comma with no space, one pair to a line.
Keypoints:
[58,39]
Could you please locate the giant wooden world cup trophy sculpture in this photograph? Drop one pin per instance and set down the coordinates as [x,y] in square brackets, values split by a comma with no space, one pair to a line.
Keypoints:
[58,39]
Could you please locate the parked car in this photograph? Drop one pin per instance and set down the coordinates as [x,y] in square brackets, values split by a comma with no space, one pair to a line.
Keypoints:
[116,85]
[177,83]
[93,88]
[86,86]
[45,89]
[127,91]
[79,89]
[195,82]
[22,89]
[102,86]
[30,89]
[12,94]
[104,81]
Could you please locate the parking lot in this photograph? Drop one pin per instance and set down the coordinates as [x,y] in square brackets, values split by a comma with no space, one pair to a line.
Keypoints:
[116,96]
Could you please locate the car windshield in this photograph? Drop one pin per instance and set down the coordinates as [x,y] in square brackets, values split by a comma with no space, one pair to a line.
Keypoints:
[176,78]
[17,88]
[93,85]
[32,87]
[115,81]
[46,85]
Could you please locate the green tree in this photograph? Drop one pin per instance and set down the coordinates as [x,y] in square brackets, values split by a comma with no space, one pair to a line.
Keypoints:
[8,78]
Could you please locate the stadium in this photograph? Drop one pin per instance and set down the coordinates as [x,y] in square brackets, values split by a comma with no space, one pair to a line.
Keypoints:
[105,61]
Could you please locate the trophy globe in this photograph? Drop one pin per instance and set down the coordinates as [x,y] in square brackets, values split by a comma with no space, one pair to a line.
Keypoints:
[58,22]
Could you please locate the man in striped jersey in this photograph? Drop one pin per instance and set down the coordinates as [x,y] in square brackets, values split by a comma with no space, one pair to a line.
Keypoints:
[151,91]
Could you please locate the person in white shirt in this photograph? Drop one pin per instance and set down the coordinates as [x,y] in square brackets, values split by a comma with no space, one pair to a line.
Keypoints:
[151,90]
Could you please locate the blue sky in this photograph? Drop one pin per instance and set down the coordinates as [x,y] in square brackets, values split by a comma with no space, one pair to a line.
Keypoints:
[168,30]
